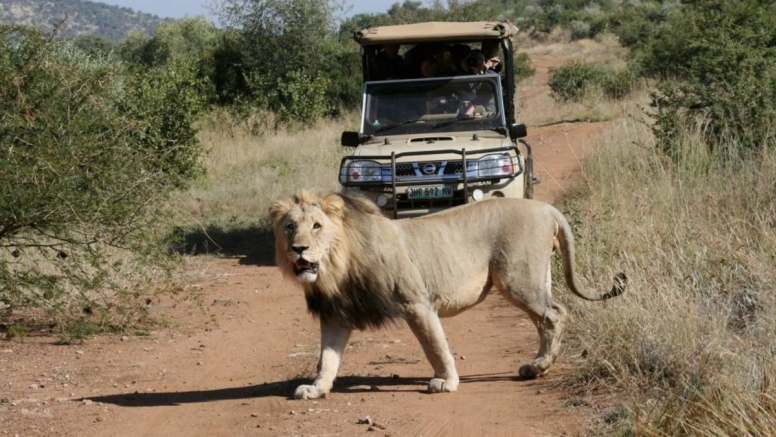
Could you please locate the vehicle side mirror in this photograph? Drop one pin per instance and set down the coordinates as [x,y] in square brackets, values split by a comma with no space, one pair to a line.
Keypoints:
[353,138]
[518,130]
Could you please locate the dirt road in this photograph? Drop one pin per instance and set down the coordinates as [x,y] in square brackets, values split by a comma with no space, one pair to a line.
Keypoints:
[228,370]
[232,375]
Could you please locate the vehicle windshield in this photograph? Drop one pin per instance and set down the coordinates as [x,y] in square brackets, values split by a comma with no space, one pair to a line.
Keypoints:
[461,103]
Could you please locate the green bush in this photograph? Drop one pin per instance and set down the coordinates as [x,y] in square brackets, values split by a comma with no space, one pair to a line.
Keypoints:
[523,68]
[579,30]
[286,49]
[572,81]
[303,96]
[616,84]
[635,23]
[719,62]
[194,42]
[88,153]
[163,103]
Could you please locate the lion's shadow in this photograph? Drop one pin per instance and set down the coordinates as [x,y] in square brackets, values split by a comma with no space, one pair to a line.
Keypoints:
[283,389]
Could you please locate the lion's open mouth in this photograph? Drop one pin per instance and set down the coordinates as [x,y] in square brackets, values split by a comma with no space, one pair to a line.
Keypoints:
[304,266]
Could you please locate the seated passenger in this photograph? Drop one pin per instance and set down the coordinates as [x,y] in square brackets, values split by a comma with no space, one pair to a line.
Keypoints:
[466,109]
[458,54]
[475,63]
[388,64]
[424,65]
[423,60]
[490,49]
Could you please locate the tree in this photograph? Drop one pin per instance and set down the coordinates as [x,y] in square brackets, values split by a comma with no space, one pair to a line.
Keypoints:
[188,43]
[93,45]
[188,40]
[287,46]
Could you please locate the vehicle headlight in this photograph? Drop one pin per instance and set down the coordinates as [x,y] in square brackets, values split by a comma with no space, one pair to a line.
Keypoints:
[498,164]
[364,171]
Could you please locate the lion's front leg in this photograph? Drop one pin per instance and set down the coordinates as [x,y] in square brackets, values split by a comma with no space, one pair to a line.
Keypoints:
[334,338]
[424,323]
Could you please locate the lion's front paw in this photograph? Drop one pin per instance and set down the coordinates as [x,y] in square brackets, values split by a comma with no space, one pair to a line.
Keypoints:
[308,392]
[439,385]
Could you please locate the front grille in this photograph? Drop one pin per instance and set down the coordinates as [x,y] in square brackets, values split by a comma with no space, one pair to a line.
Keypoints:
[403,170]
[454,167]
[415,169]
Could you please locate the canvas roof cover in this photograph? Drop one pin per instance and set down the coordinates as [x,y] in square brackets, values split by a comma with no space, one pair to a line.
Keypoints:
[435,31]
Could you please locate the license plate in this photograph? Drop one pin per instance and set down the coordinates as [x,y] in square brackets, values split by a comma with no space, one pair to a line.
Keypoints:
[432,192]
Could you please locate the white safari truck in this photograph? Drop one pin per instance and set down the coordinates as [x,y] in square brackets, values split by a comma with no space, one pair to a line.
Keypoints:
[438,122]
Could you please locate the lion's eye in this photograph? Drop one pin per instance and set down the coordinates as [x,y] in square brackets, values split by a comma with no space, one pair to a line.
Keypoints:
[316,226]
[290,227]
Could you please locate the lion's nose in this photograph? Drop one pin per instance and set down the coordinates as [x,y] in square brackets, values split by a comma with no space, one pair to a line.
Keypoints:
[299,249]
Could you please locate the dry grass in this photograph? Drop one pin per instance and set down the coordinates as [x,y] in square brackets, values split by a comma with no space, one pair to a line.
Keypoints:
[604,50]
[536,106]
[695,330]
[246,172]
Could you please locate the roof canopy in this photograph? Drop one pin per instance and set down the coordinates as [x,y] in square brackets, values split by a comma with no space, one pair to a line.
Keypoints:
[435,32]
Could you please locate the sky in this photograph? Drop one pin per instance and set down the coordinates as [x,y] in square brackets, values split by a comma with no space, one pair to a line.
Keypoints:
[180,8]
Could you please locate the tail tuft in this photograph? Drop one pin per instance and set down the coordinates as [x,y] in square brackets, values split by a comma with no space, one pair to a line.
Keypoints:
[620,282]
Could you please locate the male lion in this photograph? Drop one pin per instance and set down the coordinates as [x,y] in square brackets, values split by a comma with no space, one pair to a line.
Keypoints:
[360,270]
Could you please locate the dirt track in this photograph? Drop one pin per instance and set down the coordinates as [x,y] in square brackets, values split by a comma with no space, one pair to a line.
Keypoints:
[232,377]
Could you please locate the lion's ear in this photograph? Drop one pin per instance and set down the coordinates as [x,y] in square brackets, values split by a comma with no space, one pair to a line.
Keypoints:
[333,205]
[279,209]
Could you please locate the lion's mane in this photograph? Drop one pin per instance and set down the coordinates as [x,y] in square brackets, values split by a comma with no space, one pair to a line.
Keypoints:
[355,283]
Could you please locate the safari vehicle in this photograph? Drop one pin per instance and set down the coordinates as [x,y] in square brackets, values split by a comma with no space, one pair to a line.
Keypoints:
[430,143]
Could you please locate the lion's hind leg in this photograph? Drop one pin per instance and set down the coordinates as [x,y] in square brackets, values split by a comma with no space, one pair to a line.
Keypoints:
[550,327]
[535,298]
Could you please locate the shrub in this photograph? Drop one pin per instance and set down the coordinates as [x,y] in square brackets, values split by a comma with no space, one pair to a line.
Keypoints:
[303,96]
[579,30]
[163,103]
[572,81]
[87,155]
[719,62]
[523,69]
[617,84]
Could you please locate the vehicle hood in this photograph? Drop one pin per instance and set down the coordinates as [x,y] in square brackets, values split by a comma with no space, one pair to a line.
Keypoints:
[471,141]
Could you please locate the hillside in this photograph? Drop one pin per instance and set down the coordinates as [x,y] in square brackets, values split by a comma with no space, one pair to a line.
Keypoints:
[83,17]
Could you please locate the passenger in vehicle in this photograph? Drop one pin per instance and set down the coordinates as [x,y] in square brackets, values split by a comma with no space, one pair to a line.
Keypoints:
[491,50]
[475,63]
[458,54]
[388,64]
[482,96]
[467,109]
[423,61]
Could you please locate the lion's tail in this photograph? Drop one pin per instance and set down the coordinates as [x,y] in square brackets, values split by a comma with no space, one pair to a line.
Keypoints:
[566,242]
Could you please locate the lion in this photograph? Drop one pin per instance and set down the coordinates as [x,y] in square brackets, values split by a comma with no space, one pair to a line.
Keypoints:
[360,270]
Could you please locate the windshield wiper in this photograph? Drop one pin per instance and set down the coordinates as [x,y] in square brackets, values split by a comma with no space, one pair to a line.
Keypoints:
[401,123]
[449,122]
